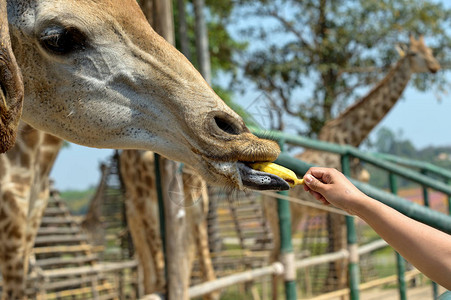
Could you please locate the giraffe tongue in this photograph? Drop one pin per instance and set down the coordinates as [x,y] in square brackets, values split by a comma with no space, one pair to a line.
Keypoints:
[258,180]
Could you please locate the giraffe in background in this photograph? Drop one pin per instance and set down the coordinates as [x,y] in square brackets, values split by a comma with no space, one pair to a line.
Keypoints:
[24,190]
[138,174]
[351,127]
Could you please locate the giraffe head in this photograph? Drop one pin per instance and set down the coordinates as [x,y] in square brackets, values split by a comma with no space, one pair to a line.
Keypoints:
[421,58]
[96,74]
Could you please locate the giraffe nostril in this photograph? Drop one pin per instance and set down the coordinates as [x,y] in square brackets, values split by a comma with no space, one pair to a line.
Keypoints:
[227,126]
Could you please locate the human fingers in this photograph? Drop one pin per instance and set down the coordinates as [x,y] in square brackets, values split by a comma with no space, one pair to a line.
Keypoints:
[313,183]
[324,175]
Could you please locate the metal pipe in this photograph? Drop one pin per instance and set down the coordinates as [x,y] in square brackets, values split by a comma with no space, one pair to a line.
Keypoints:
[159,187]
[415,211]
[427,203]
[370,158]
[449,199]
[400,262]
[417,164]
[286,245]
[353,264]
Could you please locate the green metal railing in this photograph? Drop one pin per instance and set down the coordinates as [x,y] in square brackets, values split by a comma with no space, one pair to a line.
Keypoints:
[400,262]
[417,164]
[413,210]
[396,167]
[286,244]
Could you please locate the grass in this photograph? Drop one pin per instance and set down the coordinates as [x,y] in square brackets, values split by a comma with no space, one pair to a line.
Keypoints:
[77,201]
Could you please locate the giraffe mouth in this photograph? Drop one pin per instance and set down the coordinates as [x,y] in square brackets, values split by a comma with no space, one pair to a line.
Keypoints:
[258,180]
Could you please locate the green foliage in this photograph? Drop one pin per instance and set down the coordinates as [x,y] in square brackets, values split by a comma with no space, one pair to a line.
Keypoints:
[312,56]
[387,141]
[78,201]
[222,46]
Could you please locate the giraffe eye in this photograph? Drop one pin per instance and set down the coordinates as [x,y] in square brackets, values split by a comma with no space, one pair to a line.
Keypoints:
[62,40]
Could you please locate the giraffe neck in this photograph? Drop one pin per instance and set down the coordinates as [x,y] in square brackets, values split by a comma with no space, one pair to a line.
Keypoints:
[356,122]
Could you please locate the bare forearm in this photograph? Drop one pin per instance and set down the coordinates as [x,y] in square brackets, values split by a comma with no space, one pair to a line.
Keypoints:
[426,248]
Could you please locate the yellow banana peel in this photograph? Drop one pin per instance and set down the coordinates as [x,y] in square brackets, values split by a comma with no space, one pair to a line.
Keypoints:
[284,173]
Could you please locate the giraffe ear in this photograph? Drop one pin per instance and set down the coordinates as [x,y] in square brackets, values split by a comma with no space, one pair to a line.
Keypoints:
[11,86]
[401,49]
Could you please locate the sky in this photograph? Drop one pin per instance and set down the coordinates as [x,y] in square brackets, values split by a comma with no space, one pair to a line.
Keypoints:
[421,118]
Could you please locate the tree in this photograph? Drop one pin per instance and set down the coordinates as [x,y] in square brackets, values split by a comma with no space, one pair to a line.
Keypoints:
[203,53]
[312,57]
[221,46]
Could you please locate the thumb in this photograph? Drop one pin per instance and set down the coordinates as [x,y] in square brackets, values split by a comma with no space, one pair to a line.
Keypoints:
[313,183]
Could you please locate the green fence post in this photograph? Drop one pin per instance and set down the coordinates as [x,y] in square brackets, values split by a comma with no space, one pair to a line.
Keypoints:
[428,204]
[159,187]
[400,262]
[353,266]
[286,245]
[449,198]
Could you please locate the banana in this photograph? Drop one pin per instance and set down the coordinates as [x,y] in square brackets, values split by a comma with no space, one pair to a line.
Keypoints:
[284,173]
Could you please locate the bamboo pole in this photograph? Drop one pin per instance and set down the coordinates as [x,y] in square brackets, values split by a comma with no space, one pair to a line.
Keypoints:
[211,286]
[276,269]
[321,259]
[366,285]
[98,268]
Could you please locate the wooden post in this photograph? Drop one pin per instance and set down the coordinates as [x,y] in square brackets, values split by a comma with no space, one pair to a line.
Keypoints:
[183,29]
[160,15]
[174,211]
[202,48]
[163,19]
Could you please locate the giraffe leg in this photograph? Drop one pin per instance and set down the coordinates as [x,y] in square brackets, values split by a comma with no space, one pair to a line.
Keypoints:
[148,247]
[205,258]
[156,251]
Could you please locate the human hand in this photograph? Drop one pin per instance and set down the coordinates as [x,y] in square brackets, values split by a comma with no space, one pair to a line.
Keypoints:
[331,187]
